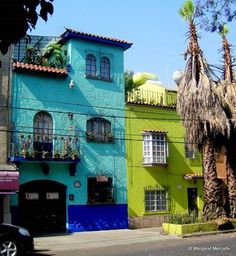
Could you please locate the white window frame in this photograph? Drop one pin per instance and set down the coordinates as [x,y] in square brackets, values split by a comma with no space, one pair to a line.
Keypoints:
[189,153]
[156,200]
[155,148]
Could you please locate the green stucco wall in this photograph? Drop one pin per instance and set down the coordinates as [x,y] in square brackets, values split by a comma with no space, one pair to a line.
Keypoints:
[143,117]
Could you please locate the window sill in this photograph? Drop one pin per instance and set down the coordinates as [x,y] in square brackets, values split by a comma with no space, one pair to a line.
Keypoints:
[99,78]
[157,213]
[100,141]
[100,203]
[155,164]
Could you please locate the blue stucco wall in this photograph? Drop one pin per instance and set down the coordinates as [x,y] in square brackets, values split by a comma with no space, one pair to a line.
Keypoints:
[33,92]
[94,217]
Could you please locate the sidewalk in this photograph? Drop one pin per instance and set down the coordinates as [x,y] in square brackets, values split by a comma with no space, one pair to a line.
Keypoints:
[97,239]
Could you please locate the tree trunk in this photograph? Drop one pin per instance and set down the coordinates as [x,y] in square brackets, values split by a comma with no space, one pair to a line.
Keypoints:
[231,173]
[213,208]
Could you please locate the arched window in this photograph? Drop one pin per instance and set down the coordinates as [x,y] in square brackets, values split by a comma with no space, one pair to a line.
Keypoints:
[43,132]
[105,68]
[99,129]
[91,65]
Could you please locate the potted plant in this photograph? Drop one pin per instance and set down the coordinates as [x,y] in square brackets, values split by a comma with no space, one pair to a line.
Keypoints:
[90,136]
[74,154]
[57,154]
[45,154]
[110,137]
[25,145]
[36,154]
[25,152]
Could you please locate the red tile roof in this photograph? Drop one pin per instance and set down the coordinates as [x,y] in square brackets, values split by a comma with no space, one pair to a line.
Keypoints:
[154,131]
[150,104]
[20,66]
[192,176]
[102,39]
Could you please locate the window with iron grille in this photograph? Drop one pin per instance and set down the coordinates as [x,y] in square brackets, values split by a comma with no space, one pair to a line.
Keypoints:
[99,129]
[156,200]
[43,132]
[100,190]
[91,68]
[189,153]
[155,148]
[105,68]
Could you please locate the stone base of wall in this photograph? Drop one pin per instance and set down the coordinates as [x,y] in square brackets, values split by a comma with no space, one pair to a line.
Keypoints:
[147,221]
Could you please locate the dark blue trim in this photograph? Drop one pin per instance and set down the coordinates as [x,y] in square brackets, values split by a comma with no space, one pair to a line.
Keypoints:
[97,217]
[39,160]
[69,35]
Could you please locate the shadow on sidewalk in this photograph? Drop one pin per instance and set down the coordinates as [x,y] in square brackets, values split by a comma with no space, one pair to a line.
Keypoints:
[41,253]
[53,234]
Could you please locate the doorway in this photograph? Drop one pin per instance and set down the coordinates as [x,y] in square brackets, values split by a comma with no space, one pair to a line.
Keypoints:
[192,201]
[42,206]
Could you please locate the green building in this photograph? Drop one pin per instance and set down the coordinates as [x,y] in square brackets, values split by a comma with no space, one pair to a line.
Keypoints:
[164,175]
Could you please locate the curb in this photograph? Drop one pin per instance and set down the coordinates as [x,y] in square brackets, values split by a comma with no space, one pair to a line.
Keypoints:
[208,233]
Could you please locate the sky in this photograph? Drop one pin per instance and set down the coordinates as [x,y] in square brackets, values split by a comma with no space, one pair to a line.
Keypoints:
[154,27]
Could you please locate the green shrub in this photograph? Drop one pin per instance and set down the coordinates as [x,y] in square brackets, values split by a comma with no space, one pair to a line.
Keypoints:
[199,227]
[183,219]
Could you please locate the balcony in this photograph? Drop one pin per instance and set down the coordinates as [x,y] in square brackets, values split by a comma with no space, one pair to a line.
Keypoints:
[164,98]
[51,149]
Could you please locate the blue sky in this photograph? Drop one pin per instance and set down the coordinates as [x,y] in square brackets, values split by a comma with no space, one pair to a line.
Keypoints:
[154,27]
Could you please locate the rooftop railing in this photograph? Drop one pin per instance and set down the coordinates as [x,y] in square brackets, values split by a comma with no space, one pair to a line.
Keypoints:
[167,98]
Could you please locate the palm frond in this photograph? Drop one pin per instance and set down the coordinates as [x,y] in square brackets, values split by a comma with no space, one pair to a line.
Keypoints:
[224,31]
[187,10]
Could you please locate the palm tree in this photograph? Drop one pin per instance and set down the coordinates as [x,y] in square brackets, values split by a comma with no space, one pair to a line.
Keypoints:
[203,114]
[226,89]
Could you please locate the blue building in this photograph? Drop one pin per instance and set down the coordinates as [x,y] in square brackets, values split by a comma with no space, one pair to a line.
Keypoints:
[68,138]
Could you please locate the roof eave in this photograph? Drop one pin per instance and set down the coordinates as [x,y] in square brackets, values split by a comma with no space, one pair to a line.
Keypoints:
[21,67]
[68,34]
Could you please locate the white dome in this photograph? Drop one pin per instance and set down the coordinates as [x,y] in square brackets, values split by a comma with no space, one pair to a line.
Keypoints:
[177,76]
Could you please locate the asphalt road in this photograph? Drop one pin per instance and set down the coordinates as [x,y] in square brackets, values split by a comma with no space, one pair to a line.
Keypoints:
[213,245]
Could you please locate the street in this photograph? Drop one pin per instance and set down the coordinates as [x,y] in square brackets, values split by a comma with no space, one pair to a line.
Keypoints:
[152,243]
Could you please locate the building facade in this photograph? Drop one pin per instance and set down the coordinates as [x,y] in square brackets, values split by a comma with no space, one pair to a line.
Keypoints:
[9,176]
[68,138]
[162,171]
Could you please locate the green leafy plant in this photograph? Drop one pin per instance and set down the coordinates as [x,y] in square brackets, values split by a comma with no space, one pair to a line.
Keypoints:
[90,136]
[184,219]
[55,55]
[110,137]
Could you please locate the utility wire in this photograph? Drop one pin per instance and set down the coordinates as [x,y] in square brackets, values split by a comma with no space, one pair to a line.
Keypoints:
[126,134]
[66,135]
[96,114]
[99,107]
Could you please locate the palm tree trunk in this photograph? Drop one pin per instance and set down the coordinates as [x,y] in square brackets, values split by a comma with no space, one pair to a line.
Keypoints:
[228,70]
[231,173]
[229,78]
[212,191]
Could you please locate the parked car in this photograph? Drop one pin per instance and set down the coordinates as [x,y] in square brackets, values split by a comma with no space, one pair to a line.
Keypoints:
[15,241]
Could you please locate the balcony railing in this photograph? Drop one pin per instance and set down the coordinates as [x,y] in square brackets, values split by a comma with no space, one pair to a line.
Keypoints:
[42,148]
[167,98]
[99,137]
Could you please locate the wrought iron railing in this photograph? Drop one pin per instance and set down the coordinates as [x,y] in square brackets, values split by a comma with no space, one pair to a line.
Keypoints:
[99,137]
[42,147]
